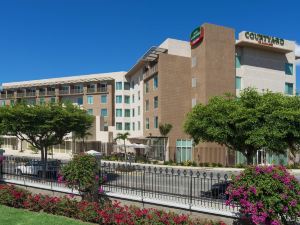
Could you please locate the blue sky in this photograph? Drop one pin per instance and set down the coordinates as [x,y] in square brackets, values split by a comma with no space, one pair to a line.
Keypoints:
[52,38]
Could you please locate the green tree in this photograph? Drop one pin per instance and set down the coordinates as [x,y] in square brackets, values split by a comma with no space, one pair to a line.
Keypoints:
[164,130]
[44,125]
[255,121]
[123,137]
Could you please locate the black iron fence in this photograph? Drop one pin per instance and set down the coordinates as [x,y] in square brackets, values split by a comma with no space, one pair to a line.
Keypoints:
[179,186]
[193,188]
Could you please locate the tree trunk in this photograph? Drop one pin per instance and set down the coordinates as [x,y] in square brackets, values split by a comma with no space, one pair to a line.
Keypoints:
[165,148]
[45,162]
[125,153]
[249,157]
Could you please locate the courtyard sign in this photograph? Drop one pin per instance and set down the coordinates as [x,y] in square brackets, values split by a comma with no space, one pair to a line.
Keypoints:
[196,36]
[264,39]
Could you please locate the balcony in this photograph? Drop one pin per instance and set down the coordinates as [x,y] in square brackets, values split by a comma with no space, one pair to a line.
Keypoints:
[20,94]
[91,90]
[42,93]
[2,95]
[64,92]
[30,94]
[76,91]
[50,93]
[102,89]
[10,95]
[152,70]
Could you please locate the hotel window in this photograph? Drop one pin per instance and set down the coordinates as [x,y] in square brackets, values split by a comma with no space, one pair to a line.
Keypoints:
[156,122]
[183,150]
[147,87]
[147,105]
[237,61]
[127,112]
[103,99]
[139,110]
[126,86]
[90,100]
[147,124]
[133,126]
[53,100]
[238,83]
[118,112]
[194,61]
[119,99]
[133,113]
[127,126]
[105,126]
[3,103]
[119,126]
[289,69]
[118,85]
[42,100]
[132,98]
[79,101]
[12,102]
[194,82]
[289,89]
[104,112]
[139,95]
[155,102]
[90,111]
[139,125]
[127,99]
[155,82]
[194,102]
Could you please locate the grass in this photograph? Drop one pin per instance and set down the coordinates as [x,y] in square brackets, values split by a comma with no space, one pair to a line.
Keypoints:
[12,216]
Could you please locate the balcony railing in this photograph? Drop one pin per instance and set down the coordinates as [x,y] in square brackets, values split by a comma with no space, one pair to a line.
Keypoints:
[76,91]
[10,95]
[20,94]
[2,95]
[64,92]
[152,70]
[50,92]
[102,89]
[30,94]
[42,93]
[91,90]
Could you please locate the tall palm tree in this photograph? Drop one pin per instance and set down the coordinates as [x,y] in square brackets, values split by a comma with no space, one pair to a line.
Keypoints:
[164,130]
[123,137]
[82,135]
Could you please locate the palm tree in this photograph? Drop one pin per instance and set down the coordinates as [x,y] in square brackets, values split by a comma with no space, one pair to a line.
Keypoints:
[82,135]
[164,130]
[123,137]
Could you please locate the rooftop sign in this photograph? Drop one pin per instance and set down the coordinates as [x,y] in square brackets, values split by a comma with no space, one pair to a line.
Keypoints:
[196,36]
[264,39]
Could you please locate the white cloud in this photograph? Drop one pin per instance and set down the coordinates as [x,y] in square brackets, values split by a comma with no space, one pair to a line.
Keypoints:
[298,53]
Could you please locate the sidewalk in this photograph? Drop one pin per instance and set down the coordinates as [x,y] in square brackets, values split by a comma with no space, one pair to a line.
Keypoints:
[28,153]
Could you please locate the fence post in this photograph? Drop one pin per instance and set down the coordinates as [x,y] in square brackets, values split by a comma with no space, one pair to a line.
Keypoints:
[191,189]
[143,183]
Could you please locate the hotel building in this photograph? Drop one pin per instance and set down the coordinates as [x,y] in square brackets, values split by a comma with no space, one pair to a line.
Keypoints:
[163,86]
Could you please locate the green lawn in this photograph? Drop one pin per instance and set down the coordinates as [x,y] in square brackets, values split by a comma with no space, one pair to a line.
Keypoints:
[12,216]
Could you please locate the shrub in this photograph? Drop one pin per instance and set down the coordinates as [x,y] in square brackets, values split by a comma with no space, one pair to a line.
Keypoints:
[267,194]
[240,165]
[82,174]
[12,196]
[206,164]
[219,165]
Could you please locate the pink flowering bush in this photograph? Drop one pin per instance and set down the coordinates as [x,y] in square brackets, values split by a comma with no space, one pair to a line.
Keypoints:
[81,173]
[267,194]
